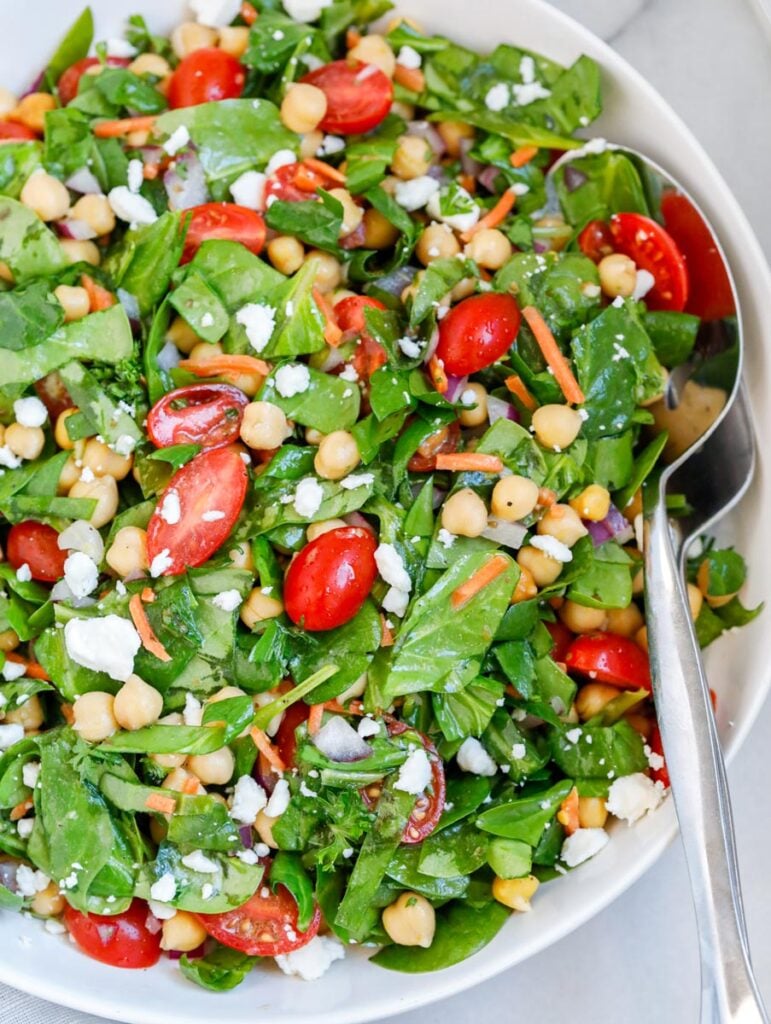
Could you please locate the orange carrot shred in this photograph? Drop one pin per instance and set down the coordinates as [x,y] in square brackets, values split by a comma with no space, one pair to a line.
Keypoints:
[482,578]
[248,12]
[437,374]
[99,298]
[546,497]
[386,636]
[336,707]
[126,125]
[567,815]
[150,641]
[516,386]
[327,170]
[332,333]
[469,182]
[160,803]
[32,669]
[266,748]
[495,216]
[20,810]
[457,462]
[226,364]
[553,356]
[523,155]
[150,172]
[352,38]
[147,595]
[190,786]
[411,78]
[315,718]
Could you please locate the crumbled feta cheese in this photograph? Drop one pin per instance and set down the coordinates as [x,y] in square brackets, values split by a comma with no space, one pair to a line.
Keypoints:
[178,139]
[213,516]
[170,510]
[415,193]
[24,827]
[292,379]
[410,347]
[207,891]
[249,798]
[30,882]
[7,458]
[258,320]
[104,644]
[192,713]
[249,190]
[305,789]
[415,773]
[583,844]
[248,856]
[518,751]
[498,97]
[409,58]
[164,889]
[161,563]
[315,958]
[279,799]
[30,412]
[472,757]
[128,206]
[87,475]
[573,735]
[457,221]
[227,601]
[169,356]
[632,796]
[80,573]
[162,910]
[12,670]
[350,373]
[655,761]
[553,547]
[54,926]
[135,175]
[645,281]
[529,92]
[445,538]
[330,145]
[215,13]
[117,47]
[354,480]
[520,189]
[24,573]
[308,498]
[527,69]
[391,567]
[10,734]
[280,158]
[261,849]
[367,727]
[396,601]
[198,861]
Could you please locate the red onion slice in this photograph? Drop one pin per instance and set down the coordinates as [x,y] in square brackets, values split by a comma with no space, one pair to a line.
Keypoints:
[498,409]
[455,387]
[77,229]
[185,183]
[84,182]
[425,130]
[613,527]
[508,535]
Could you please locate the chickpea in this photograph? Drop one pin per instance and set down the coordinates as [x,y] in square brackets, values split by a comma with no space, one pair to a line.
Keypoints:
[453,133]
[104,490]
[49,902]
[81,252]
[310,144]
[103,461]
[410,920]
[234,39]
[542,567]
[464,513]
[525,589]
[698,409]
[412,158]
[513,498]
[592,698]
[337,455]
[46,195]
[258,607]
[213,769]
[379,232]
[624,621]
[137,704]
[32,110]
[179,781]
[190,36]
[94,718]
[463,289]
[264,426]
[150,64]
[26,442]
[303,106]
[263,826]
[592,812]
[74,301]
[374,49]
[138,138]
[313,436]
[406,111]
[6,274]
[695,597]
[329,273]
[182,932]
[702,578]
[437,242]
[581,619]
[641,638]
[356,689]
[29,714]
[641,722]
[618,275]
[68,477]
[489,248]
[352,212]
[226,693]
[318,529]
[9,640]
[127,555]
[475,415]
[182,335]
[8,102]
[241,556]
[563,523]
[592,503]
[556,426]
[515,892]
[96,212]
[286,254]
[204,352]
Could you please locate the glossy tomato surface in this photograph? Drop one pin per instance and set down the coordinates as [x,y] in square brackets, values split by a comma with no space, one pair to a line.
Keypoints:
[36,545]
[204,76]
[122,940]
[612,659]
[223,220]
[442,442]
[263,926]
[477,332]
[368,355]
[328,582]
[358,95]
[285,739]
[297,182]
[653,249]
[12,132]
[596,241]
[205,414]
[213,482]
[430,805]
[53,394]
[562,638]
[69,81]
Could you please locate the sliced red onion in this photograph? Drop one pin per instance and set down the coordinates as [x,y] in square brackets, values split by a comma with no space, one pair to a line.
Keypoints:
[498,409]
[395,282]
[84,181]
[152,155]
[77,229]
[613,527]
[455,387]
[438,173]
[332,361]
[540,246]
[467,163]
[129,303]
[82,536]
[8,874]
[509,535]
[487,177]
[36,83]
[185,182]
[425,130]
[247,836]
[355,239]
[152,924]
[339,741]
[573,178]
[194,954]
[357,519]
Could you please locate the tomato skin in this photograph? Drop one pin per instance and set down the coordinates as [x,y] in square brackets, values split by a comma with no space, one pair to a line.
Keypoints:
[562,638]
[204,76]
[477,332]
[36,545]
[710,296]
[215,480]
[211,416]
[122,940]
[430,806]
[227,221]
[608,658]
[328,582]
[297,183]
[659,774]
[653,249]
[442,442]
[369,355]
[358,95]
[69,80]
[12,132]
[53,394]
[259,927]
[285,739]
[596,241]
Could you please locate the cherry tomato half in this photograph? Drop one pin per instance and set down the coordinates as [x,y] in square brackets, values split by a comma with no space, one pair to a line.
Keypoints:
[445,440]
[263,926]
[608,658]
[296,183]
[205,414]
[69,80]
[223,220]
[369,355]
[358,95]
[710,296]
[204,76]
[213,482]
[330,579]
[120,940]
[653,249]
[53,394]
[596,241]
[12,132]
[285,739]
[562,638]
[36,545]
[659,774]
[477,332]
[430,805]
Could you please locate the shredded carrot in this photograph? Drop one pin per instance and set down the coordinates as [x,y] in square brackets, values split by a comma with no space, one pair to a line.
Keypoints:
[190,786]
[150,171]
[437,374]
[386,636]
[523,155]
[352,38]
[161,804]
[482,578]
[411,78]
[315,718]
[553,356]
[356,708]
[20,810]
[147,595]
[568,812]
[332,333]
[68,713]
[221,365]
[126,125]
[32,669]
[266,748]
[516,386]
[469,182]
[546,497]
[150,641]
[459,462]
[495,216]
[99,298]
[248,12]
[326,170]
[335,707]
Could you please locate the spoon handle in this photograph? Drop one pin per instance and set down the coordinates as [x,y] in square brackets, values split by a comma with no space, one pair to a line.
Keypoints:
[699,784]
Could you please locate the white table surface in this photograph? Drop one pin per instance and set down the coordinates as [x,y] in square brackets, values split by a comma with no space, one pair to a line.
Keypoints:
[637,962]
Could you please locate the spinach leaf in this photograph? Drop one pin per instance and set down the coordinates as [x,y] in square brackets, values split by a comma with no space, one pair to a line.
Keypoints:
[27,245]
[524,818]
[328,403]
[510,858]
[644,465]
[673,335]
[404,868]
[287,870]
[608,582]
[712,622]
[350,647]
[28,316]
[467,712]
[167,739]
[75,45]
[104,417]
[221,970]
[457,850]
[598,752]
[10,900]
[236,275]
[500,123]
[274,505]
[316,222]
[149,256]
[69,142]
[232,884]
[122,89]
[464,796]
[18,160]
[197,303]
[612,185]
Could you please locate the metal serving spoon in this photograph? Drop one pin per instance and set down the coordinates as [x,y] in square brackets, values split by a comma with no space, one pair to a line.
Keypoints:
[712,467]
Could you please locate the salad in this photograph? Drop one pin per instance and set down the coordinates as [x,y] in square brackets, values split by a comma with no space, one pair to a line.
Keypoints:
[330,391]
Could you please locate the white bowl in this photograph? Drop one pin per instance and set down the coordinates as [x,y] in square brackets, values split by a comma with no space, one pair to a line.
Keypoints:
[355,991]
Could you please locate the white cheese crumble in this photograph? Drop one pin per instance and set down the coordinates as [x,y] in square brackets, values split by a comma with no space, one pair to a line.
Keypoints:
[10,734]
[249,798]
[349,373]
[445,538]
[161,910]
[258,320]
[249,190]
[314,959]
[30,882]
[192,713]
[215,13]
[24,827]
[518,751]
[396,601]
[80,573]
[178,139]
[354,480]
[391,567]
[409,347]
[164,890]
[279,799]
[330,145]
[227,601]
[583,844]
[280,158]
[135,175]
[472,757]
[632,796]
[12,670]
[409,58]
[415,193]
[529,92]
[498,97]
[128,206]
[24,573]
[7,459]
[457,221]
[308,498]
[104,644]
[198,861]
[553,547]
[643,284]
[527,69]
[161,563]
[170,510]
[415,773]
[292,379]
[117,47]
[367,727]
[30,412]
